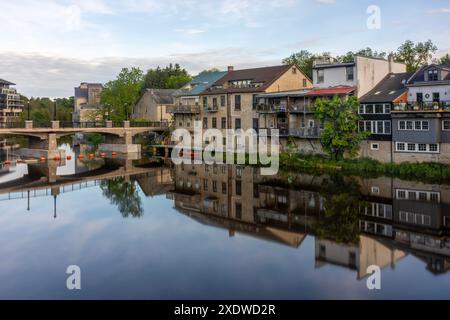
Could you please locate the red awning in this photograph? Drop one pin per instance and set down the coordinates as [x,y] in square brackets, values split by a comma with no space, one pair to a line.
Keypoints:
[330,91]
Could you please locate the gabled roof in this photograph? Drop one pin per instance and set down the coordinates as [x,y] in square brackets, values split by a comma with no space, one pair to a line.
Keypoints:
[264,76]
[6,83]
[388,89]
[201,82]
[161,96]
[419,76]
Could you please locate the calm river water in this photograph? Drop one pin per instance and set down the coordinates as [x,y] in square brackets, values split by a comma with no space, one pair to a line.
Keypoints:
[140,230]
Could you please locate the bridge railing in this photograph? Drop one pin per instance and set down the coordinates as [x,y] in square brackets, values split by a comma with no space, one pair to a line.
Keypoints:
[12,125]
[83,125]
[151,124]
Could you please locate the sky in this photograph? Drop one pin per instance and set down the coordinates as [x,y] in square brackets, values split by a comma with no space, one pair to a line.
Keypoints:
[48,47]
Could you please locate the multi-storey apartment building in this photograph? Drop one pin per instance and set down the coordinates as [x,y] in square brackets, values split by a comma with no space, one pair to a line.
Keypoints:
[364,73]
[231,102]
[11,104]
[154,105]
[292,113]
[421,127]
[375,112]
[86,102]
[186,108]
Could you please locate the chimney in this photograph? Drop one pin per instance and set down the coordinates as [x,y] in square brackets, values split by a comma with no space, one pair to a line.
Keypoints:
[230,68]
[391,63]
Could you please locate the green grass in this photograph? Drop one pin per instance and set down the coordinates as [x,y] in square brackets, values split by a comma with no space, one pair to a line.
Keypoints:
[429,172]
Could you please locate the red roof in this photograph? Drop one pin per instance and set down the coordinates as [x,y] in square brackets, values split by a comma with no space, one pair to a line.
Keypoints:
[330,91]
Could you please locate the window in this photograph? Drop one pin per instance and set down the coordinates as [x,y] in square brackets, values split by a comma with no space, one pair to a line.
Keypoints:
[433,75]
[375,190]
[400,146]
[214,123]
[294,70]
[419,125]
[445,125]
[224,188]
[238,211]
[350,73]
[369,108]
[205,184]
[205,102]
[224,123]
[436,97]
[205,123]
[375,146]
[320,76]
[214,102]
[417,147]
[237,123]
[222,101]
[379,108]
[375,127]
[434,148]
[387,127]
[238,187]
[214,186]
[237,102]
[304,83]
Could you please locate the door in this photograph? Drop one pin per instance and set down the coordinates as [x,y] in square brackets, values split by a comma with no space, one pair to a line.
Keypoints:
[419,97]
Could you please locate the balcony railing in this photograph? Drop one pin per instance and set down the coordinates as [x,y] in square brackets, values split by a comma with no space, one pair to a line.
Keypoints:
[211,108]
[424,106]
[270,108]
[313,133]
[186,109]
[301,108]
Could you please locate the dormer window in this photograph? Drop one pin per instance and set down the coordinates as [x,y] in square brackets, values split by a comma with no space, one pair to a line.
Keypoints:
[433,75]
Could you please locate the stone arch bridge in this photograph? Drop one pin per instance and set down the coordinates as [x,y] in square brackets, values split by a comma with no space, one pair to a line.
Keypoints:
[119,136]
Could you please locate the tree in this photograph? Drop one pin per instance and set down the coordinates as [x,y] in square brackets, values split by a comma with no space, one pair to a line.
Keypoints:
[445,59]
[171,77]
[303,60]
[367,52]
[124,195]
[118,96]
[206,71]
[415,55]
[340,122]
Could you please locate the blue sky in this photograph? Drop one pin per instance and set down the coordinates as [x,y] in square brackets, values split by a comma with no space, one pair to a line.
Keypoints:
[52,45]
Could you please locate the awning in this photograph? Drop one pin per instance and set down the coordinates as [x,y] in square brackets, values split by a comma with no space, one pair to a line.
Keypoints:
[298,93]
[330,91]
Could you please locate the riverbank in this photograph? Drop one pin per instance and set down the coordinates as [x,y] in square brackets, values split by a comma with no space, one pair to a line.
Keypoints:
[430,172]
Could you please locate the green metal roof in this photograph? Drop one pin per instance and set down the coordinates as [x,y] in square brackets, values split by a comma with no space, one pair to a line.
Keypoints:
[202,82]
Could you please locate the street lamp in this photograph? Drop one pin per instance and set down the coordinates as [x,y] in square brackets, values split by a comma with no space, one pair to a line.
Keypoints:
[54,110]
[28,111]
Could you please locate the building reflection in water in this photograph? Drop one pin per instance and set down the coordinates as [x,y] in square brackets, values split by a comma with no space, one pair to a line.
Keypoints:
[356,222]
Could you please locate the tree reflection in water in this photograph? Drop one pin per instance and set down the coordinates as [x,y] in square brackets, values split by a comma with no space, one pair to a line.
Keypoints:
[342,201]
[124,195]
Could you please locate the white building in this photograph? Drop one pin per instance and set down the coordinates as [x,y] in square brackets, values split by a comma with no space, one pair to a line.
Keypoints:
[363,74]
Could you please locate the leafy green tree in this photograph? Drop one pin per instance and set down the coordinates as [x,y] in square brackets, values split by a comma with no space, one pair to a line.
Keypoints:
[124,195]
[445,59]
[415,55]
[340,123]
[367,52]
[118,96]
[170,77]
[304,60]
[209,71]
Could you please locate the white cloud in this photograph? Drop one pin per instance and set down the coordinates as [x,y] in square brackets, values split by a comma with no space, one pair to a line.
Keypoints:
[190,31]
[94,6]
[51,76]
[327,1]
[437,11]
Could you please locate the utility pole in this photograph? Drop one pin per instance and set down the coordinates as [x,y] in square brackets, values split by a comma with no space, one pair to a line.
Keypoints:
[28,111]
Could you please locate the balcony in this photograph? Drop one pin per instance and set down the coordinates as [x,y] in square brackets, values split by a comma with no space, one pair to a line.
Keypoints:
[309,133]
[183,109]
[270,108]
[301,108]
[211,109]
[424,106]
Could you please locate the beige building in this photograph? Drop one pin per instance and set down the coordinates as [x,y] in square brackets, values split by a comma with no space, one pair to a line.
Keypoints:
[11,105]
[86,101]
[153,105]
[230,102]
